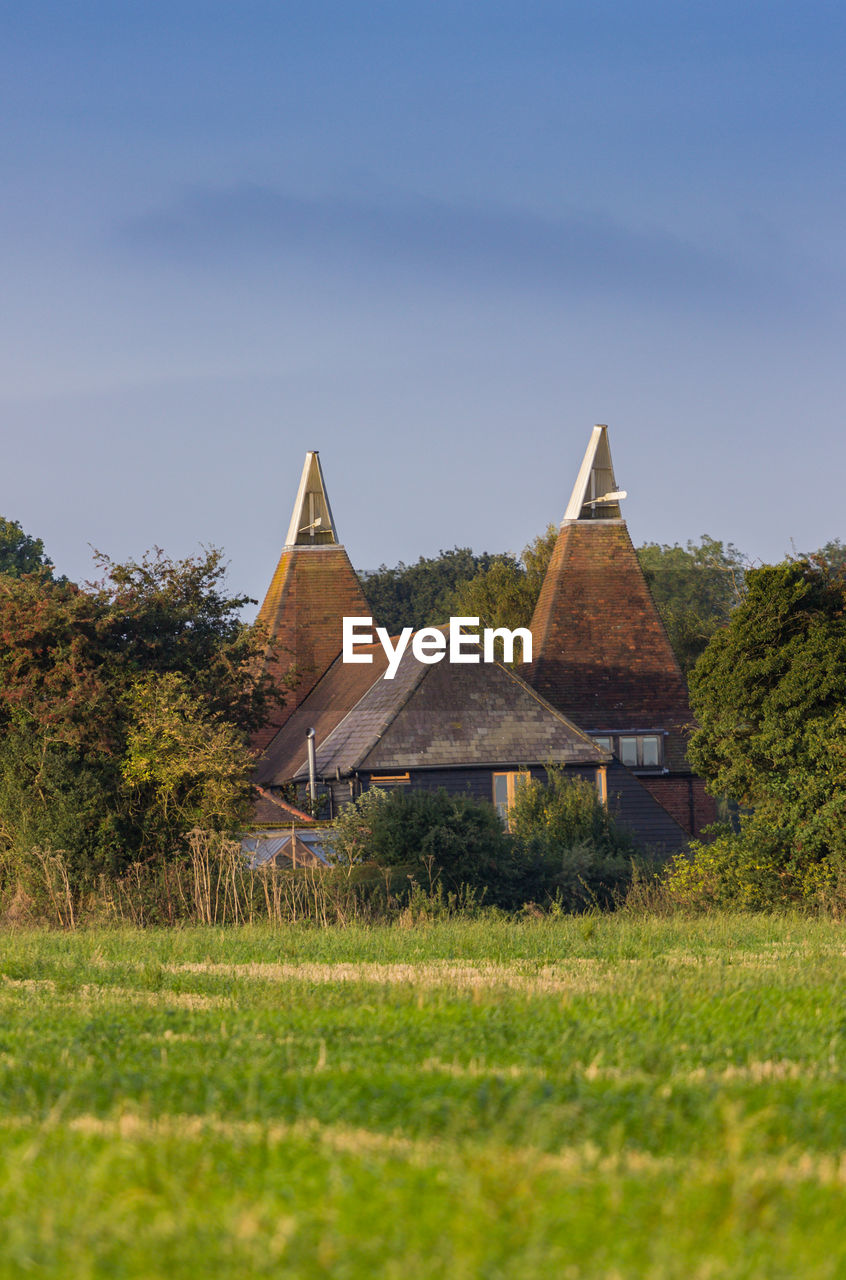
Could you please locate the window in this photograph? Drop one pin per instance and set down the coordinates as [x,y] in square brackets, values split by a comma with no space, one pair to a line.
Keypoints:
[635,750]
[650,751]
[505,788]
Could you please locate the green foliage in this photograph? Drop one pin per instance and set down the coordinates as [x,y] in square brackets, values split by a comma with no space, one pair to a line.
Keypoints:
[55,662]
[183,760]
[454,839]
[505,593]
[751,869]
[537,555]
[85,678]
[58,796]
[565,810]
[564,846]
[498,596]
[567,844]
[19,553]
[175,616]
[831,556]
[769,696]
[420,595]
[695,589]
[353,826]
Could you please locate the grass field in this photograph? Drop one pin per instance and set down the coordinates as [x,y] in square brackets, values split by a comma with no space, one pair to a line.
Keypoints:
[595,1097]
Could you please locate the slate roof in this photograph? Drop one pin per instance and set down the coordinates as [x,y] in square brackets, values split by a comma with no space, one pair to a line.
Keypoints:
[473,715]
[428,716]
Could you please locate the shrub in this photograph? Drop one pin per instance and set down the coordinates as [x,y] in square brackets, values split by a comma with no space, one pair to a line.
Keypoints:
[568,847]
[758,867]
[564,846]
[454,840]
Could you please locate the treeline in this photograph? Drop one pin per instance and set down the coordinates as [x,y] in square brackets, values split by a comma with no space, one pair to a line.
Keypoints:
[695,586]
[126,706]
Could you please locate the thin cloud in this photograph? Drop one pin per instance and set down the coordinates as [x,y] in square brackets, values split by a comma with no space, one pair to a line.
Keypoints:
[578,252]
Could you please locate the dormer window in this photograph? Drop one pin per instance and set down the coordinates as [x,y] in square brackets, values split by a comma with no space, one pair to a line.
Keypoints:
[641,751]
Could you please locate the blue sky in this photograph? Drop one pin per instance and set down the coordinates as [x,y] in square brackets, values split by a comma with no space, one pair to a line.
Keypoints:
[436,241]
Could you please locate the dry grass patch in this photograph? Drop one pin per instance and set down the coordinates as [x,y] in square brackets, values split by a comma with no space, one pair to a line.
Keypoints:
[579,1161]
[92,993]
[582,975]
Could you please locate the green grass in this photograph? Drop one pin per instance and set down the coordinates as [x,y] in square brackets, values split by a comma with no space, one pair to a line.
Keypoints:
[599,1097]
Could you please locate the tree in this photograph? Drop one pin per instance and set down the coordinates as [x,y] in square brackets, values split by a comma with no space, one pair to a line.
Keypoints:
[833,554]
[19,553]
[504,593]
[185,762]
[421,594]
[499,596]
[537,555]
[105,693]
[695,589]
[454,839]
[769,695]
[168,615]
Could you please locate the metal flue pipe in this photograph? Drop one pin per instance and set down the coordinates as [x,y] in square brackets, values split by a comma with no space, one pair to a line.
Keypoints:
[312,767]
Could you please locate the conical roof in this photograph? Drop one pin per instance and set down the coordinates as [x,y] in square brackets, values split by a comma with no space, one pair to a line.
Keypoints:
[313,589]
[600,650]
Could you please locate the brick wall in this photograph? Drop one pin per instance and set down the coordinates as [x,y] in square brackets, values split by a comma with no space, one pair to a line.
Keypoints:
[685,799]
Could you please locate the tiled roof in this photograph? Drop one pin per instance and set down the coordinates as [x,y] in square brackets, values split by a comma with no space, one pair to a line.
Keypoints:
[359,731]
[312,590]
[335,694]
[269,810]
[600,650]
